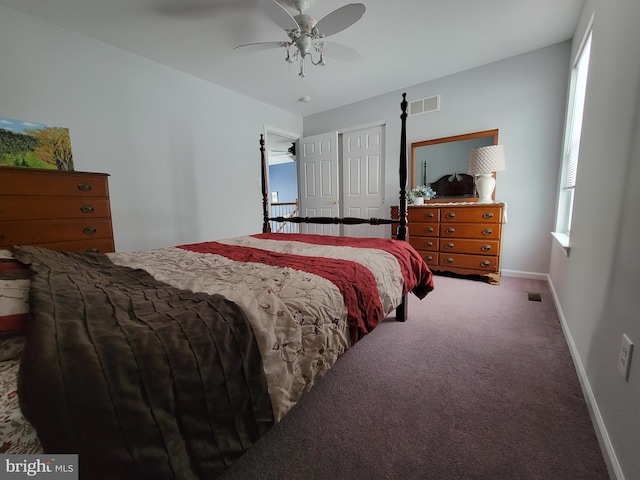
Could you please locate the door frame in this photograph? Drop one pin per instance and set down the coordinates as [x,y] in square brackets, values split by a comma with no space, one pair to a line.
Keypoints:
[274,131]
[269,133]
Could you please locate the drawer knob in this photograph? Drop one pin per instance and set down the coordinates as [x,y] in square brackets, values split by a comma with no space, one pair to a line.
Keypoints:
[429,215]
[451,215]
[485,263]
[84,187]
[487,231]
[428,229]
[428,258]
[485,248]
[87,209]
[487,215]
[92,250]
[449,245]
[448,260]
[89,230]
[451,230]
[428,244]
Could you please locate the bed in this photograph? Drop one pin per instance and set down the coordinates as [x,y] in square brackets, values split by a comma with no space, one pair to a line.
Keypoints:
[172,362]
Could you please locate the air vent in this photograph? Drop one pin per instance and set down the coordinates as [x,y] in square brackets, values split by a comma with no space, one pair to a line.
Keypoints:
[534,297]
[424,105]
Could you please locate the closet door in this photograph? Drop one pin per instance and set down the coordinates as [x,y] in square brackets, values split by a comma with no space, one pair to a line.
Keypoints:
[363,179]
[318,181]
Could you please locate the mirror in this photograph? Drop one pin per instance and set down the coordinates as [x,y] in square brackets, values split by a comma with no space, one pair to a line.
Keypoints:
[442,163]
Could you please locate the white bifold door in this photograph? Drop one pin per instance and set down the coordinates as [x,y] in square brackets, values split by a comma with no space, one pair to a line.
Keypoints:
[318,181]
[345,180]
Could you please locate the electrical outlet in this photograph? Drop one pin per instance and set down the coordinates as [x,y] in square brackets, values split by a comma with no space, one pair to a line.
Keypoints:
[624,359]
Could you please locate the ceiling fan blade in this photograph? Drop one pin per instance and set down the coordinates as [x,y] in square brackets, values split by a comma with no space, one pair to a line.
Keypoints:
[337,51]
[262,45]
[340,19]
[278,14]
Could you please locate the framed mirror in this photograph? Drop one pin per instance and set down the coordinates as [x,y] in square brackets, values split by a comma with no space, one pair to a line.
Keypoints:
[442,163]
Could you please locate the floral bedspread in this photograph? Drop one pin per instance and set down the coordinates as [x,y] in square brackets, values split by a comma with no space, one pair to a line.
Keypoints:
[16,433]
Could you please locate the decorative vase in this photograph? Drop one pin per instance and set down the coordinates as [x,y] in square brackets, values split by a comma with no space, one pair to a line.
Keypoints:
[418,201]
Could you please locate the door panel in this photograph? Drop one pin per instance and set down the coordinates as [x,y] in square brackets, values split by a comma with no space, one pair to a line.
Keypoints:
[318,180]
[363,179]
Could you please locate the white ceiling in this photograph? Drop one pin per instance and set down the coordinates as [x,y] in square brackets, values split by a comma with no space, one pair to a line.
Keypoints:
[401,42]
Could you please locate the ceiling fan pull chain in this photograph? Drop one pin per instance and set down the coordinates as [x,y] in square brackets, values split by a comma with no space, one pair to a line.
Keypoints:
[288,59]
[302,74]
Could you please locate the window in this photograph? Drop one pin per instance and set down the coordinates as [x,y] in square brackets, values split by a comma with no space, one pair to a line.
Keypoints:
[571,149]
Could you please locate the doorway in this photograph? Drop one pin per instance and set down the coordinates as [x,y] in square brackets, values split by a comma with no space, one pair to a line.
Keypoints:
[281,151]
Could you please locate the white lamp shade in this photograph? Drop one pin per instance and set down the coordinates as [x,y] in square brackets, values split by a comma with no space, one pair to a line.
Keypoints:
[486,160]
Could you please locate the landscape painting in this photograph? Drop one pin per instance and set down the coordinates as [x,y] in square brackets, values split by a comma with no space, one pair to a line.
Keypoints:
[34,145]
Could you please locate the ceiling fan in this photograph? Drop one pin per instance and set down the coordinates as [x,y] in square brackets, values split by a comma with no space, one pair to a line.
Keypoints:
[306,35]
[289,152]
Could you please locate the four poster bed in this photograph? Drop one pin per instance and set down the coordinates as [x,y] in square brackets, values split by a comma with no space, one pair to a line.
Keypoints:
[172,362]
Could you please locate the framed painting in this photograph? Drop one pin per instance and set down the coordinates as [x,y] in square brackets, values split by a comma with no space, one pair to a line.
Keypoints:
[34,145]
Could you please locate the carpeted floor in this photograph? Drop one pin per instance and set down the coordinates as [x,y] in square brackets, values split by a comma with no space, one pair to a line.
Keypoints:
[477,384]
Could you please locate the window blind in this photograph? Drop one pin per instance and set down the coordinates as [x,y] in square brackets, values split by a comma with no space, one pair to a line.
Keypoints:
[577,110]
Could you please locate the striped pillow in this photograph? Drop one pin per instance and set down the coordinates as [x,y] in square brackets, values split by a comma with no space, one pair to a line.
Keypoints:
[14,295]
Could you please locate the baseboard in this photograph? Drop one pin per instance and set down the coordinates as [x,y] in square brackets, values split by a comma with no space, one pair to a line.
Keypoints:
[530,275]
[609,454]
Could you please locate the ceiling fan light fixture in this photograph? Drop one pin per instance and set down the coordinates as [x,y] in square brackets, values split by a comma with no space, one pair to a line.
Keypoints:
[304,32]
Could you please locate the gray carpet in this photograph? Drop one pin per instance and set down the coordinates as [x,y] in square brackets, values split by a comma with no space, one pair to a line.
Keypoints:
[477,384]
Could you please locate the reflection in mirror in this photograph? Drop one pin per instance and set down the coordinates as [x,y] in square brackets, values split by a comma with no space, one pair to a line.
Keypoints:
[442,164]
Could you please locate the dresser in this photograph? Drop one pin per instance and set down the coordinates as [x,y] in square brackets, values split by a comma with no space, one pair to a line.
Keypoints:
[67,211]
[462,238]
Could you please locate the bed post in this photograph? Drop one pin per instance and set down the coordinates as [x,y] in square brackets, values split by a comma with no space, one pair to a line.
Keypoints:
[402,311]
[266,226]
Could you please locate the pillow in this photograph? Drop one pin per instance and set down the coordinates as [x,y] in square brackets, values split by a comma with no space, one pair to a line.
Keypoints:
[14,295]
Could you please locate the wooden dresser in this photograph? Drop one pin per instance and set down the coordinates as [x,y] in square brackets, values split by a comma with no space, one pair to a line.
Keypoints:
[456,237]
[66,211]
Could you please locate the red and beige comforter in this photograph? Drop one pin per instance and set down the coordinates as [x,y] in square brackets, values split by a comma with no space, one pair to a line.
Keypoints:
[170,363]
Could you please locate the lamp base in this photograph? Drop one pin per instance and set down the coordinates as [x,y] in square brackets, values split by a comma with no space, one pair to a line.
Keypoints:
[485,183]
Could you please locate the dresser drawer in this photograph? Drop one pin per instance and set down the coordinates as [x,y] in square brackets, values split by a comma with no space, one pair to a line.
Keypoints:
[42,208]
[94,245]
[478,247]
[47,231]
[430,257]
[26,181]
[476,262]
[471,230]
[424,243]
[423,229]
[488,214]
[423,215]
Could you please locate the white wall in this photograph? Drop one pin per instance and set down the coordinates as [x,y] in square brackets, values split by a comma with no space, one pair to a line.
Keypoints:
[183,154]
[524,98]
[597,285]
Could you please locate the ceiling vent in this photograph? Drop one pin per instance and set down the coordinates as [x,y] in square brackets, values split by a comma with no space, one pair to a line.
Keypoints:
[424,105]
